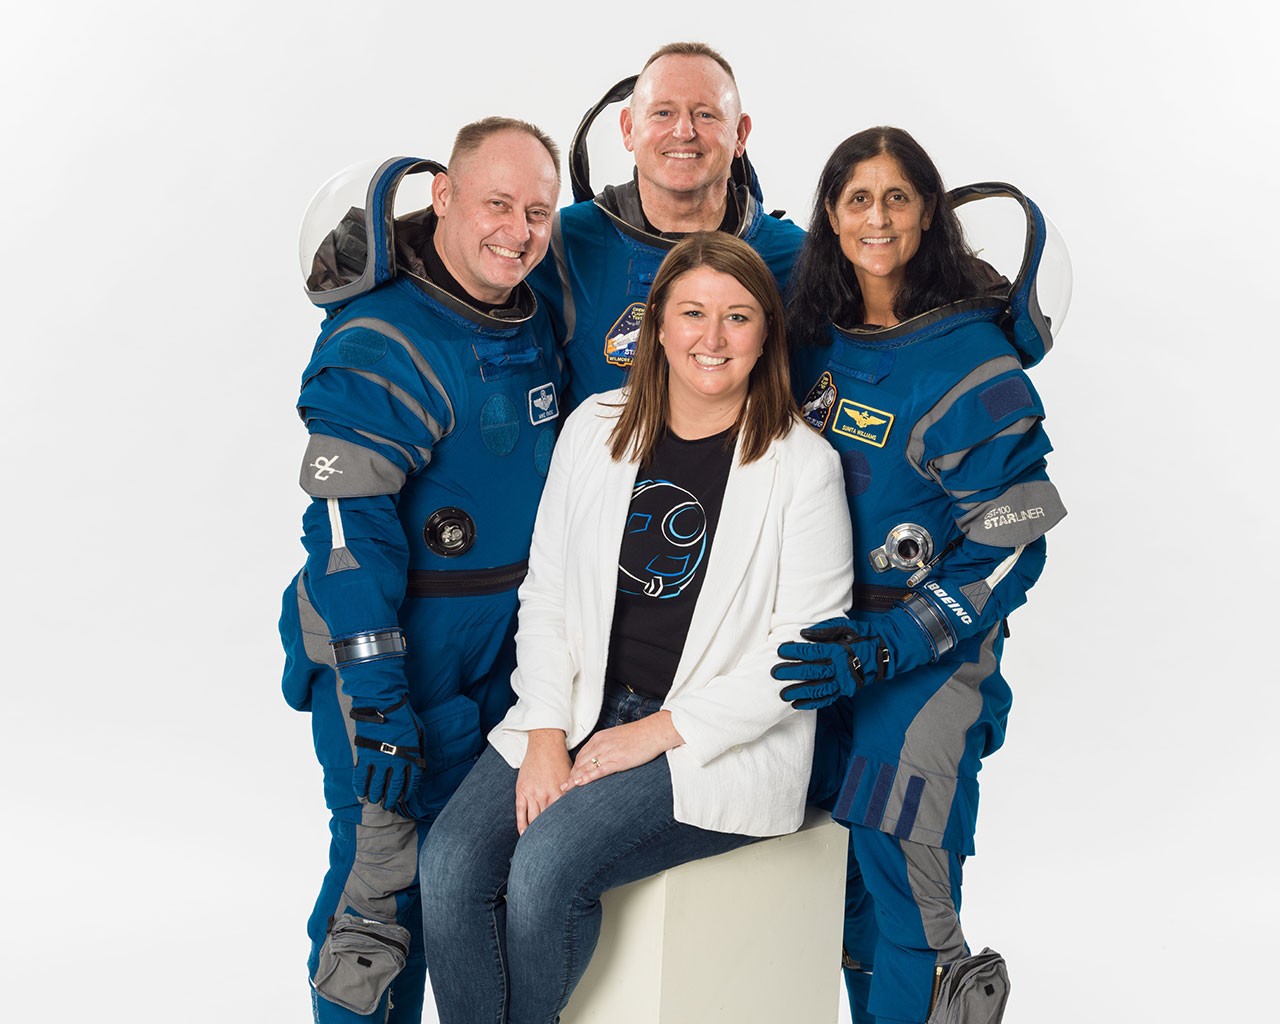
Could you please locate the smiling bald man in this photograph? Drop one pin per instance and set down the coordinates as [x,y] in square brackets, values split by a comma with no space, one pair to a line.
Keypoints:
[685,127]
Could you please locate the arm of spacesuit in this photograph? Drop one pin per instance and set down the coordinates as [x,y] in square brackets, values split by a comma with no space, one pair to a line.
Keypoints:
[978,587]
[367,436]
[357,564]
[985,448]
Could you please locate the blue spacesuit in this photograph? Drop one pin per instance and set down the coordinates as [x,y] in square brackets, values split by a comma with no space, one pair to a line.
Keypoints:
[604,263]
[431,426]
[606,255]
[939,432]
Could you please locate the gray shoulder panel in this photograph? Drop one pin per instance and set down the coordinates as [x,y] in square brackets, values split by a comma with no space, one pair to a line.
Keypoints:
[1022,514]
[333,468]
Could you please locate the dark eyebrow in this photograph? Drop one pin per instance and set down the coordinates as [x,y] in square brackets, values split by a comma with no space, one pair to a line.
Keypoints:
[736,305]
[891,188]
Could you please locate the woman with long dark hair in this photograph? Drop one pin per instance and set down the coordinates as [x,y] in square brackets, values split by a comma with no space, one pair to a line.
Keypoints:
[912,356]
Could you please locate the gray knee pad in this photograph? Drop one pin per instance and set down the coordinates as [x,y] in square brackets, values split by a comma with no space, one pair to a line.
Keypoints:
[358,960]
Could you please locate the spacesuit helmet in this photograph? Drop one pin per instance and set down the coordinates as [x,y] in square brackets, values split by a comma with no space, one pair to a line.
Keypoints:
[346,243]
[1020,243]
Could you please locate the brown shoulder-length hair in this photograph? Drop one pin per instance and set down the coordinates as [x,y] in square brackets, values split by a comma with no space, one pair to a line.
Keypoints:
[769,410]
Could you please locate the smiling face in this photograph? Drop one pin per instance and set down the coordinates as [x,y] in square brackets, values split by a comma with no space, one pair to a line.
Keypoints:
[495,208]
[712,331]
[879,218]
[684,125]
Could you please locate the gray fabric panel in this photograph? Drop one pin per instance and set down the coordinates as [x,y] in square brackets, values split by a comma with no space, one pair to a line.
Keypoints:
[975,377]
[315,632]
[386,860]
[978,594]
[562,271]
[946,462]
[419,360]
[386,863]
[929,875]
[1022,514]
[340,560]
[334,468]
[934,745]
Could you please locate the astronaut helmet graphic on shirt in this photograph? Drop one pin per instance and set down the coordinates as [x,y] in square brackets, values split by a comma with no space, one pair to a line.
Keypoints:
[672,525]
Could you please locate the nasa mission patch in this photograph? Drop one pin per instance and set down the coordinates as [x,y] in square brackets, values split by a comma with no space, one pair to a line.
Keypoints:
[816,407]
[620,341]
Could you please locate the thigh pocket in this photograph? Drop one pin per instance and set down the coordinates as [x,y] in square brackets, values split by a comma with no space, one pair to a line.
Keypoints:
[358,960]
[973,989]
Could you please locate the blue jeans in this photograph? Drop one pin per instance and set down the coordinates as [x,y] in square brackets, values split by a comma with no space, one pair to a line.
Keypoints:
[511,921]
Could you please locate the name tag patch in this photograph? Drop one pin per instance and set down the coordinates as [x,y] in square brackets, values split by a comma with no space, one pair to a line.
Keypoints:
[543,406]
[862,423]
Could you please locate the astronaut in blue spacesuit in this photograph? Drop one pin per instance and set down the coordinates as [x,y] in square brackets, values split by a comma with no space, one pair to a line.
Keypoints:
[916,358]
[685,125]
[431,400]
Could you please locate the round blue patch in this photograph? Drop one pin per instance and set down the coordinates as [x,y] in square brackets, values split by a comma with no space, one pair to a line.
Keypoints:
[360,347]
[499,425]
[542,450]
[857,472]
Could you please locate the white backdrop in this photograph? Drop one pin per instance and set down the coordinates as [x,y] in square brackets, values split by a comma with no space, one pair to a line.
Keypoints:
[164,824]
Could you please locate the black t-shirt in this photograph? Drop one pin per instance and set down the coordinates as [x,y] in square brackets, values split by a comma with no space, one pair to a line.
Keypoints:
[666,546]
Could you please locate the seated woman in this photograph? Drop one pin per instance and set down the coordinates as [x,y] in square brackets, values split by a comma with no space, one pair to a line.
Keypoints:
[689,524]
[916,378]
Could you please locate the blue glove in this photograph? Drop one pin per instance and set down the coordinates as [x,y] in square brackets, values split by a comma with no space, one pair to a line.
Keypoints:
[389,763]
[841,657]
[845,654]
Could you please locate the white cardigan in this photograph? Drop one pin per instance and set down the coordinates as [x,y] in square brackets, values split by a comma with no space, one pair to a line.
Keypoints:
[780,561]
